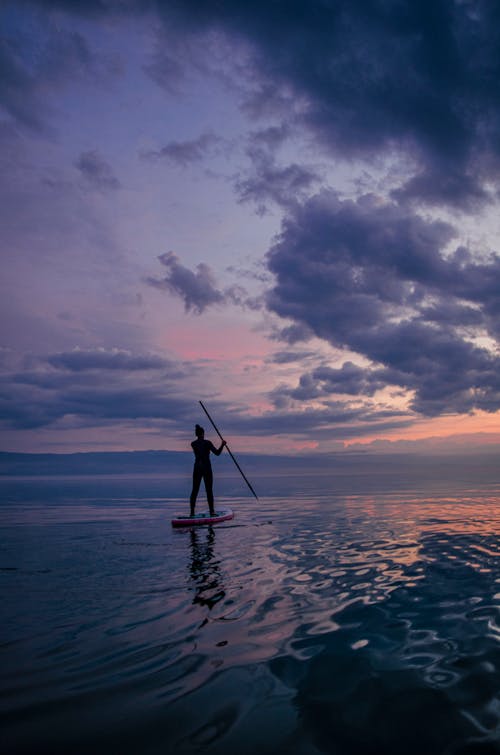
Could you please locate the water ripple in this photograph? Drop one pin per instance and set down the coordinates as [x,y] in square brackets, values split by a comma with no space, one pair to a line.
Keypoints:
[334,617]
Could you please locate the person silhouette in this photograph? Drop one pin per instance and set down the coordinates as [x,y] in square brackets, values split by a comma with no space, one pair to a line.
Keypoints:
[202,469]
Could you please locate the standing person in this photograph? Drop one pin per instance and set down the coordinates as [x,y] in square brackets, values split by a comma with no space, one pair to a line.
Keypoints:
[202,467]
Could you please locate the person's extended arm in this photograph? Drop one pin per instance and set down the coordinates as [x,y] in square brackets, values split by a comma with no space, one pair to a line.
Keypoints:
[217,451]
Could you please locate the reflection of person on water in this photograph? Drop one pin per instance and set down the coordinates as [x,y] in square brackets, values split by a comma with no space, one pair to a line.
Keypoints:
[202,468]
[205,569]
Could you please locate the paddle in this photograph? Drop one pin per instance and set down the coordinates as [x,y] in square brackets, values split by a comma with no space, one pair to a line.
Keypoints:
[229,452]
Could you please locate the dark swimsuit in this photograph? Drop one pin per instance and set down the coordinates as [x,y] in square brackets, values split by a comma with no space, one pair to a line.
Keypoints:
[203,469]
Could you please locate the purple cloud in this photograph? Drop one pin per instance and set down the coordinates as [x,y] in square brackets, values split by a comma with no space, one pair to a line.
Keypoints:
[362,275]
[97,171]
[184,153]
[95,392]
[421,79]
[197,289]
[417,79]
[104,359]
[92,386]
[61,56]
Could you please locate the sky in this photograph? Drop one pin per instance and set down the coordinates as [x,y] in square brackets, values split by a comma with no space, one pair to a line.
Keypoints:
[288,209]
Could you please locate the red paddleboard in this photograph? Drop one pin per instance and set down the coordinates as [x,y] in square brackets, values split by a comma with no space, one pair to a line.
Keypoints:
[221,515]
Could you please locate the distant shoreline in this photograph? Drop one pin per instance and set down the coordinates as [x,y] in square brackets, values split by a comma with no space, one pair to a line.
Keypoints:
[484,463]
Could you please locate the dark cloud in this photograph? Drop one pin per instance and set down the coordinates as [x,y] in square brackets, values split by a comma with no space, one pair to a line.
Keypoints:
[350,379]
[97,171]
[420,79]
[324,381]
[452,313]
[126,403]
[187,152]
[93,387]
[25,407]
[95,394]
[373,278]
[413,80]
[86,8]
[288,357]
[198,289]
[102,359]
[448,186]
[292,334]
[18,88]
[267,180]
[270,138]
[32,66]
[333,420]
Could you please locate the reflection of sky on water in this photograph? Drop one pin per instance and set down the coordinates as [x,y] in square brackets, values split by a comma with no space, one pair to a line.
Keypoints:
[392,616]
[347,626]
[309,620]
[205,568]
[302,570]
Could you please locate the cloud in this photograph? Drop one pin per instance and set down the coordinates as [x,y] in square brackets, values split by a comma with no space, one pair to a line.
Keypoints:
[33,65]
[198,289]
[165,70]
[416,79]
[102,388]
[96,171]
[268,181]
[288,357]
[94,387]
[416,82]
[349,379]
[270,138]
[43,212]
[448,186]
[25,407]
[335,419]
[373,278]
[18,88]
[104,359]
[186,152]
[421,79]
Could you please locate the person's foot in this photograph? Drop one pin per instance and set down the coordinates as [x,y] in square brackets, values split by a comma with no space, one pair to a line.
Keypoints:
[191,513]
[212,512]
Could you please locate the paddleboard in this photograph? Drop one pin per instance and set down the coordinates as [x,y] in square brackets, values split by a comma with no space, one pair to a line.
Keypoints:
[204,517]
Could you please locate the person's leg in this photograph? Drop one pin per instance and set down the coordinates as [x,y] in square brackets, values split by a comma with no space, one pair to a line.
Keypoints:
[209,483]
[196,486]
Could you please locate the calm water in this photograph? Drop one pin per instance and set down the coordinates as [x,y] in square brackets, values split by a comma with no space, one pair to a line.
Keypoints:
[324,623]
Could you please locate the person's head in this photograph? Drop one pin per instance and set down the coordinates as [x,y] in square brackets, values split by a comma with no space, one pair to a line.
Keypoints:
[199,431]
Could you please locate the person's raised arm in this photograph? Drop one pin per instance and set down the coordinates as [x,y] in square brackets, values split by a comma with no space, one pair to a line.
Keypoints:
[218,451]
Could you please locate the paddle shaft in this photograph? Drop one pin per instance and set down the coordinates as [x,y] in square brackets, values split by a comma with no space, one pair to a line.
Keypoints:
[229,452]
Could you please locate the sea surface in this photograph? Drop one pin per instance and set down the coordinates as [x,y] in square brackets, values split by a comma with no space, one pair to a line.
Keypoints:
[351,618]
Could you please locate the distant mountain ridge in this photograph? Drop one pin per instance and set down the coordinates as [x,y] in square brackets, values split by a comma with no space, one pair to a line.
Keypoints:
[163,462]
[486,463]
[93,462]
[136,462]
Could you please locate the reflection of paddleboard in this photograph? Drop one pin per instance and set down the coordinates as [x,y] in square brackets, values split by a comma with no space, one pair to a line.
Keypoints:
[221,515]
